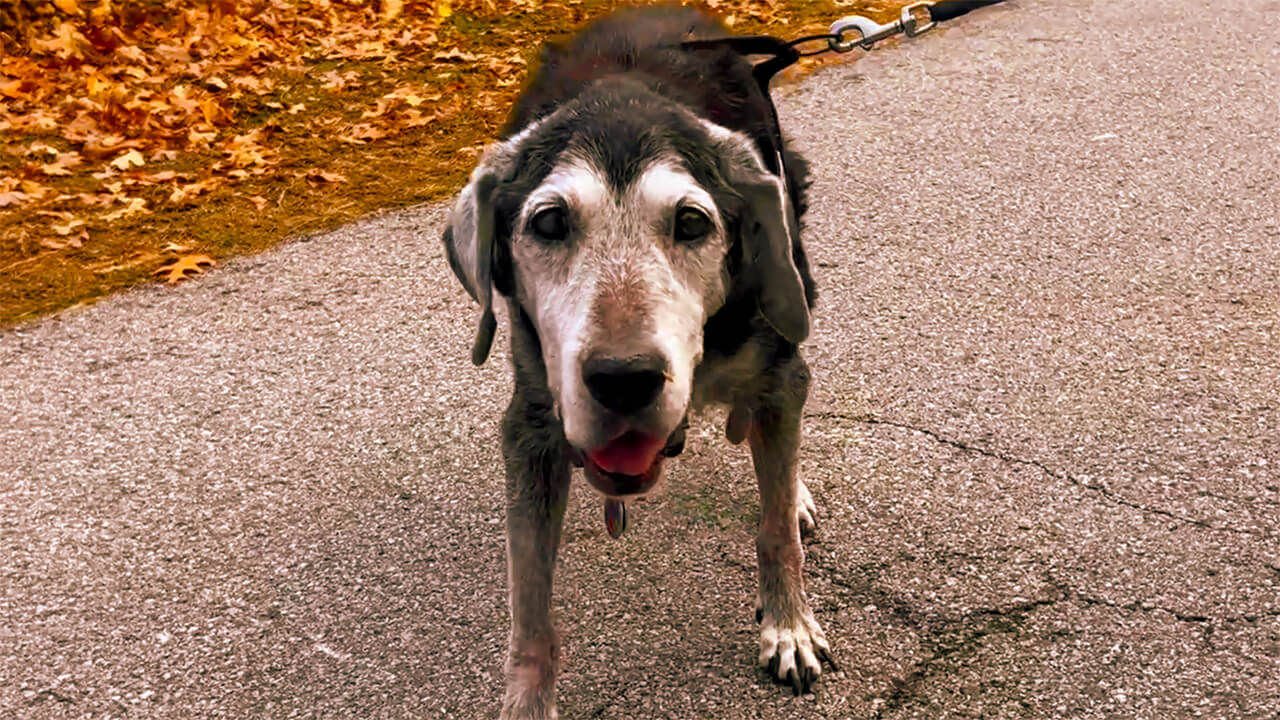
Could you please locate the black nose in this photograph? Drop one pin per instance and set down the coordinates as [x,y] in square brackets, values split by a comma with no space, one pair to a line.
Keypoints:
[625,385]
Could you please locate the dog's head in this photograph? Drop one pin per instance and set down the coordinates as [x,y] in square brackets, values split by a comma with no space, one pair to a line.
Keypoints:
[619,224]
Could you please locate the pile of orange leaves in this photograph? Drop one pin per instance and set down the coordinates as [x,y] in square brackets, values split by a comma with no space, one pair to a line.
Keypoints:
[123,106]
[126,125]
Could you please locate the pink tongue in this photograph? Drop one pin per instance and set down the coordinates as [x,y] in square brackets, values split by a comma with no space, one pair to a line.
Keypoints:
[632,453]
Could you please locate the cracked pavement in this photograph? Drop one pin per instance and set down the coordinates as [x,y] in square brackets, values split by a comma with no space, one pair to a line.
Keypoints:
[1042,439]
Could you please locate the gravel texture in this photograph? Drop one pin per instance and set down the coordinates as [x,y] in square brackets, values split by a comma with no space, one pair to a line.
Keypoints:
[1043,437]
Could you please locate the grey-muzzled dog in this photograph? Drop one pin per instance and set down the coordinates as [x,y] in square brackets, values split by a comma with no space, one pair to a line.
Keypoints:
[640,216]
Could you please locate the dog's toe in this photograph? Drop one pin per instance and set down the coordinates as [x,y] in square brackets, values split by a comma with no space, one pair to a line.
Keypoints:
[808,512]
[790,652]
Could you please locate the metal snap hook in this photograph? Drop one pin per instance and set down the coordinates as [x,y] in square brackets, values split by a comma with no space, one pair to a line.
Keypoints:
[910,21]
[868,30]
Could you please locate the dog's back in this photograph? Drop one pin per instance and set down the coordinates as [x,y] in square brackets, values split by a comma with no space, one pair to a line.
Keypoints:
[643,45]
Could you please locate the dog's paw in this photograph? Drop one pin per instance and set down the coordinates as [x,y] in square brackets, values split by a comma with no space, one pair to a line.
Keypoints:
[528,708]
[807,511]
[531,687]
[793,652]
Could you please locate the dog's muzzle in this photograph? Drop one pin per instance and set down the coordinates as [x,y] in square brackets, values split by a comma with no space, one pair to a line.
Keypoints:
[629,465]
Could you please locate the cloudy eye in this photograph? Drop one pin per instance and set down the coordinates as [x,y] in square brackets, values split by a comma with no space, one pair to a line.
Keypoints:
[691,225]
[550,225]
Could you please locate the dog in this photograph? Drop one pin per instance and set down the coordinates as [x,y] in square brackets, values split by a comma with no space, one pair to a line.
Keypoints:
[640,216]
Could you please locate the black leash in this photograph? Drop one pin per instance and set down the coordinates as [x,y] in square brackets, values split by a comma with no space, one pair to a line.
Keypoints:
[845,34]
[945,11]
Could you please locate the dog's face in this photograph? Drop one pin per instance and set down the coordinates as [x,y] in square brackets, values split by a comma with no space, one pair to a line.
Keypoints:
[619,232]
[619,281]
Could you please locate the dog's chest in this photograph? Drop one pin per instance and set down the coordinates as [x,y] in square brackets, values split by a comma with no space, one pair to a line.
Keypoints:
[725,380]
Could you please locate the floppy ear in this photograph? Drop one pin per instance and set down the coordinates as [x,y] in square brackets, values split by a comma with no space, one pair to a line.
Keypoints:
[768,230]
[469,244]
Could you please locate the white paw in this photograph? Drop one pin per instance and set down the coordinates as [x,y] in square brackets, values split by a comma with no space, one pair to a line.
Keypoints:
[536,709]
[531,687]
[807,510]
[793,652]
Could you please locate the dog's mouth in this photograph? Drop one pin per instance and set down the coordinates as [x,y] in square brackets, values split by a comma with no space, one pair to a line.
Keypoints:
[631,463]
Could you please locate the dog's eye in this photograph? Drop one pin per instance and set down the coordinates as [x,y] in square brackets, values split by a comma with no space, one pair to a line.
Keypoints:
[691,225]
[550,225]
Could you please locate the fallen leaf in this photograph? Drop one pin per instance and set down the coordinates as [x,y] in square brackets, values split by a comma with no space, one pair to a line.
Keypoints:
[34,190]
[318,175]
[415,118]
[363,133]
[68,43]
[184,267]
[68,228]
[199,138]
[258,201]
[408,93]
[39,148]
[91,199]
[132,53]
[377,111]
[134,206]
[13,89]
[133,158]
[455,55]
[185,194]
[337,81]
[63,161]
[211,111]
[74,241]
[140,258]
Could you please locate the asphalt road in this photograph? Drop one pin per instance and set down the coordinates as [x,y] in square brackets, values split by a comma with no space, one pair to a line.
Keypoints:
[1044,439]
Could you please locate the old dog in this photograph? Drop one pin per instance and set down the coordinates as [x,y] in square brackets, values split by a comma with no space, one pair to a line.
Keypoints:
[640,217]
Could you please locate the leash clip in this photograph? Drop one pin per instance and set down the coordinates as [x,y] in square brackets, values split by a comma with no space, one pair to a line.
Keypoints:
[870,32]
[911,24]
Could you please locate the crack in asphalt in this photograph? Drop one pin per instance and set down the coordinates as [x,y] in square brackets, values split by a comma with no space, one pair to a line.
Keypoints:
[1218,496]
[952,640]
[1097,487]
[1071,593]
[992,621]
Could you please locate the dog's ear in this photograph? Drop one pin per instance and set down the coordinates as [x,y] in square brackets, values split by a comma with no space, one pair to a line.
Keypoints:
[769,228]
[468,243]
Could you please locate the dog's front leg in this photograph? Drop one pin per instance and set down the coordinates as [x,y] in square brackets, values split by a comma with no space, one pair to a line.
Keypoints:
[537,490]
[791,641]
